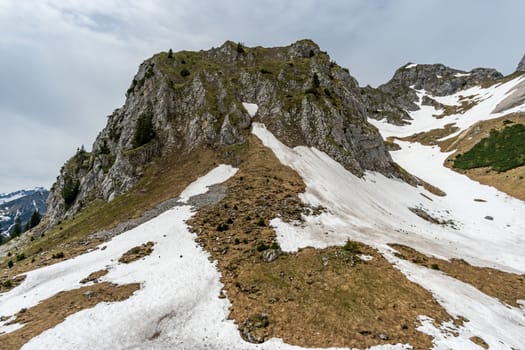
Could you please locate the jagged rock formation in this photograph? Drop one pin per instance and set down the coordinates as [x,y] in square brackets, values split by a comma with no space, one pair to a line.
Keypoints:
[521,65]
[393,99]
[179,102]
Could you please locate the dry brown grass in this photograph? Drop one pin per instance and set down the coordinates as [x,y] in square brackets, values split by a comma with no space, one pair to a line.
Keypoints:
[55,309]
[314,297]
[94,276]
[136,253]
[479,341]
[511,181]
[431,137]
[507,287]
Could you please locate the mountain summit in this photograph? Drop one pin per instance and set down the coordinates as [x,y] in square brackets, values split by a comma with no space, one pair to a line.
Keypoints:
[180,102]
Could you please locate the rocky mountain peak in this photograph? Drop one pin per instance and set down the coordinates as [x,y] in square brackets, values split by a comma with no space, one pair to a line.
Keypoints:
[393,99]
[521,65]
[179,102]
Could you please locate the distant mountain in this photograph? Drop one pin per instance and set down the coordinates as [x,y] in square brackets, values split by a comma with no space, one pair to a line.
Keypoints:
[21,204]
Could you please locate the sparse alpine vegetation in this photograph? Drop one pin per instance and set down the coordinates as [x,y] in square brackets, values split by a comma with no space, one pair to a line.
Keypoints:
[502,150]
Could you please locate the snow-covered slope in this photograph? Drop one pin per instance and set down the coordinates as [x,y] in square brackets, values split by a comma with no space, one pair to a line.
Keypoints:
[178,300]
[374,210]
[486,100]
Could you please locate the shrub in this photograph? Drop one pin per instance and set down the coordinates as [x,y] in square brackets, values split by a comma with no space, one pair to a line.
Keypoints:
[7,284]
[434,267]
[10,264]
[104,149]
[261,222]
[229,221]
[240,47]
[144,130]
[170,53]
[184,72]
[275,245]
[20,256]
[70,190]
[315,81]
[262,247]
[352,247]
[58,255]
[222,227]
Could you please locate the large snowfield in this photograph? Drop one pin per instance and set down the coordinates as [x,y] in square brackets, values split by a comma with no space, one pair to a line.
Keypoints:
[178,299]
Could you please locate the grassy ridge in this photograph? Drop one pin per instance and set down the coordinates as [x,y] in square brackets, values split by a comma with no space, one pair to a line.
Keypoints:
[502,150]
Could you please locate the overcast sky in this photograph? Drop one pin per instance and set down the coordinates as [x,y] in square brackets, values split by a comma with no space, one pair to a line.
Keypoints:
[66,64]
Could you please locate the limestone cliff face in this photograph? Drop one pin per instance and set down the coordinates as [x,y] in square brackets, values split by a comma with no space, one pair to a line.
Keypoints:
[186,100]
[392,100]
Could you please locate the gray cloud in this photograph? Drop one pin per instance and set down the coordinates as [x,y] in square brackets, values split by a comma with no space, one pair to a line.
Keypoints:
[65,65]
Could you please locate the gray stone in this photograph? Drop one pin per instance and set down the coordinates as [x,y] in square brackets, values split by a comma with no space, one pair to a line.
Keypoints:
[253,328]
[271,255]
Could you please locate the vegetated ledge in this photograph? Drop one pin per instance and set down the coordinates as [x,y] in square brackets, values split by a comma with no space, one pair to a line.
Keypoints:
[54,310]
[510,181]
[312,298]
[507,287]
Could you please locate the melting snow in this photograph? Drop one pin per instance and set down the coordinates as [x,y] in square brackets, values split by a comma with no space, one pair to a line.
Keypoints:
[374,210]
[177,306]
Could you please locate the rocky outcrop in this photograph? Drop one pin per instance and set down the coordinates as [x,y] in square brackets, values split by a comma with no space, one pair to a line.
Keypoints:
[186,100]
[392,100]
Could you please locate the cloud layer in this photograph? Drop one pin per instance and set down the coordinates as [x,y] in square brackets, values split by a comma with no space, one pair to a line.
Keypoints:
[67,64]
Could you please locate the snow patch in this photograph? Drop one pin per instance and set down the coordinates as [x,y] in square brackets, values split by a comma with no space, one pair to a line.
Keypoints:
[459,75]
[220,174]
[251,108]
[411,65]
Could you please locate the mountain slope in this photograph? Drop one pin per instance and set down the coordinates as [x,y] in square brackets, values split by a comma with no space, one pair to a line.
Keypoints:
[240,199]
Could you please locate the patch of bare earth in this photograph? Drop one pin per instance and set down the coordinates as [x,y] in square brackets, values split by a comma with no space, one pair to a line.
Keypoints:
[312,298]
[465,103]
[479,341]
[507,287]
[55,309]
[431,137]
[94,276]
[136,253]
[511,181]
